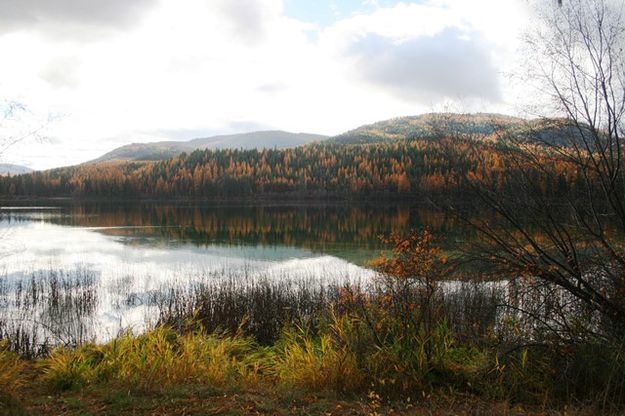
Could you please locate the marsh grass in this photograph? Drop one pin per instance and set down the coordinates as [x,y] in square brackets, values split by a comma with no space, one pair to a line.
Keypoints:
[260,308]
[315,363]
[160,358]
[47,309]
[343,355]
[307,337]
[12,376]
[339,356]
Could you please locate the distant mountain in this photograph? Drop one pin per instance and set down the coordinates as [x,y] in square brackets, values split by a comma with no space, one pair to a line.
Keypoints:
[428,126]
[481,126]
[168,149]
[7,168]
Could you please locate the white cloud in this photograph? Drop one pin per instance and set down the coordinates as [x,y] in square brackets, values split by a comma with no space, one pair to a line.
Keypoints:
[446,65]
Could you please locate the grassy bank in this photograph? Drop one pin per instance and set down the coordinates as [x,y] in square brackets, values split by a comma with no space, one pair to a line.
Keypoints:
[364,354]
[340,369]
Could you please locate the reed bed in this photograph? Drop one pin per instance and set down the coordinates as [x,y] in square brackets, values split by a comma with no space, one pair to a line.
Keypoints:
[310,336]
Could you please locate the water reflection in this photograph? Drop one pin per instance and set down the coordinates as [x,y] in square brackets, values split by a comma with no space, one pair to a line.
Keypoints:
[348,232]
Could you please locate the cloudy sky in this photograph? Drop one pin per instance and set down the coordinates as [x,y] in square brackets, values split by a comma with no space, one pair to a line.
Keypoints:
[100,74]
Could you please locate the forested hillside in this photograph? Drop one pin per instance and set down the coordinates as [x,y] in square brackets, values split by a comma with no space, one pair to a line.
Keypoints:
[408,168]
[429,126]
[475,127]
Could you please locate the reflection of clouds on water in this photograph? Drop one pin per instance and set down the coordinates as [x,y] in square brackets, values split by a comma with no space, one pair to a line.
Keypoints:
[131,279]
[328,267]
[46,245]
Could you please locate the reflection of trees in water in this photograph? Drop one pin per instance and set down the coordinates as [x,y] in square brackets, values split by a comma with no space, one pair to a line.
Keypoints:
[316,228]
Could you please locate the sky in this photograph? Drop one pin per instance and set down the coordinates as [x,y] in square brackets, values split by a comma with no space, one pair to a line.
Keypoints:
[92,75]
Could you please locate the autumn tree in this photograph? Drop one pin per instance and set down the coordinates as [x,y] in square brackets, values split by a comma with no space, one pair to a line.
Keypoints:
[410,275]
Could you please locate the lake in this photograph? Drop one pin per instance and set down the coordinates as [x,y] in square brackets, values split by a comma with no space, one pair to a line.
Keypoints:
[72,272]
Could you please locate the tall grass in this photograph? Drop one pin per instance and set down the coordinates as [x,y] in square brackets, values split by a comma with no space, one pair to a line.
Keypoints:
[396,338]
[342,355]
[347,352]
[264,306]
[158,358]
[12,379]
[11,369]
[47,308]
[315,363]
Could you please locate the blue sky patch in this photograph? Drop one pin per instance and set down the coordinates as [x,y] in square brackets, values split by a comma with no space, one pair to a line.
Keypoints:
[326,12]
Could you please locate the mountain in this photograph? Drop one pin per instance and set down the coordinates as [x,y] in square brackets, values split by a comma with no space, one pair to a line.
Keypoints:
[168,149]
[480,126]
[7,168]
[428,126]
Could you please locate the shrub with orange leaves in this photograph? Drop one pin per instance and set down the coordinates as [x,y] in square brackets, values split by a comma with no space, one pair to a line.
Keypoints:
[413,257]
[410,276]
[398,328]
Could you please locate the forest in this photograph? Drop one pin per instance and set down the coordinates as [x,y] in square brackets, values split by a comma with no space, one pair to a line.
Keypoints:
[401,168]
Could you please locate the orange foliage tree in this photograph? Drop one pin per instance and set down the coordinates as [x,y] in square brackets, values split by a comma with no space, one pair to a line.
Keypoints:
[410,274]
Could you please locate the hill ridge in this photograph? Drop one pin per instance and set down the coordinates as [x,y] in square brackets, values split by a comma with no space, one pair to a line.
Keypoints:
[165,149]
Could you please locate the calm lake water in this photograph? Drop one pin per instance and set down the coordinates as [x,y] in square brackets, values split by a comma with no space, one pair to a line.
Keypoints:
[89,271]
